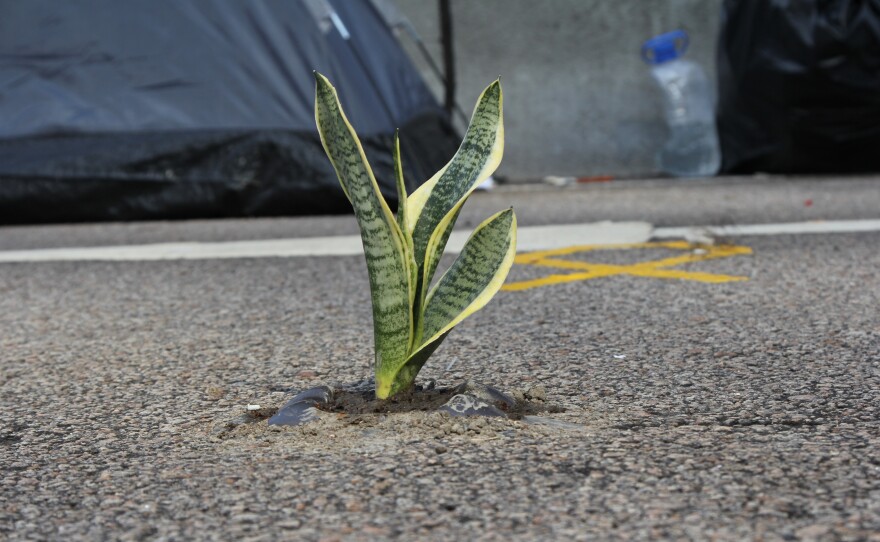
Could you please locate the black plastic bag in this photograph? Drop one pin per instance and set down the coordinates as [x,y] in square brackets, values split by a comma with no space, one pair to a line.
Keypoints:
[799,86]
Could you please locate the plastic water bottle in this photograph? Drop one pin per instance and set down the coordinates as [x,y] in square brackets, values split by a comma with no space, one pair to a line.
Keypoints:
[692,148]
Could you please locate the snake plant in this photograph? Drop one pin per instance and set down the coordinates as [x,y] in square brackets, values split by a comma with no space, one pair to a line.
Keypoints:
[412,315]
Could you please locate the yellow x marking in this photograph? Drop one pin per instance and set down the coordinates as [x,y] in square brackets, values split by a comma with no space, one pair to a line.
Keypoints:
[656,268]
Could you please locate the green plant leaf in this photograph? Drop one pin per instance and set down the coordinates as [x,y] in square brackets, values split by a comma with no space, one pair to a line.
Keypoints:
[401,187]
[407,374]
[475,276]
[469,284]
[433,208]
[402,252]
[403,223]
[389,259]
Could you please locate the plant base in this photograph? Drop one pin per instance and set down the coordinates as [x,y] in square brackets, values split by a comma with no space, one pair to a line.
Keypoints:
[467,399]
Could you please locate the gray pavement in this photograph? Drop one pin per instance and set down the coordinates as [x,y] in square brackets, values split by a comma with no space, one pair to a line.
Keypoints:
[737,410]
[669,202]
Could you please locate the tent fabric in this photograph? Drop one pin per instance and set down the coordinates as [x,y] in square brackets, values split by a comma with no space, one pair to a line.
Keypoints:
[121,109]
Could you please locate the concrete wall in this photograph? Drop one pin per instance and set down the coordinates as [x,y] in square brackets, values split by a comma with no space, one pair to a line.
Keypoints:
[578,100]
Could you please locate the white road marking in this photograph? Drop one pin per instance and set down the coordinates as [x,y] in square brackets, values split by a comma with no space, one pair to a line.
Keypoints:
[790,228]
[529,238]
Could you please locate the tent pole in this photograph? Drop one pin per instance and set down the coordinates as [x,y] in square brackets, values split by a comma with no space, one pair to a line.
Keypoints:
[448,57]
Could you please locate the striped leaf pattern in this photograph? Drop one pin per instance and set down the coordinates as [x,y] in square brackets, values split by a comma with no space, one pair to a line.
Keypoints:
[402,252]
[407,374]
[401,187]
[388,264]
[433,208]
[475,276]
[403,223]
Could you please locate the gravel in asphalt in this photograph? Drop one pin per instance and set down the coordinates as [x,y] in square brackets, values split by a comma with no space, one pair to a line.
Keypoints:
[743,410]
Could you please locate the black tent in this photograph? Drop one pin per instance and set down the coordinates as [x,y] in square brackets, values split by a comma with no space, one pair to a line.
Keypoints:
[128,110]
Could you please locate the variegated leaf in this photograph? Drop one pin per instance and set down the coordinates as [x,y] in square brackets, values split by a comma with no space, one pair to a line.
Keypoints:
[434,206]
[401,186]
[475,276]
[403,223]
[389,261]
[407,374]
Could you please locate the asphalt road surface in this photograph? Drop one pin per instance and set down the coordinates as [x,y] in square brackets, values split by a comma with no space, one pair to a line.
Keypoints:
[729,392]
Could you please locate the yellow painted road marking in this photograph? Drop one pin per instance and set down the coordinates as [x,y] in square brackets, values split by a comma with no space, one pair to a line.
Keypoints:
[654,268]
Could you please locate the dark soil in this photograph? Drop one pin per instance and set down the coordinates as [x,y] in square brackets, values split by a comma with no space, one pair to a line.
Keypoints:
[365,402]
[421,399]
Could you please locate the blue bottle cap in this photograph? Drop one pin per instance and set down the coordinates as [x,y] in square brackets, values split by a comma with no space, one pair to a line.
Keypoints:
[665,47]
